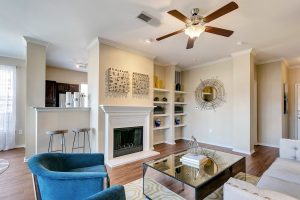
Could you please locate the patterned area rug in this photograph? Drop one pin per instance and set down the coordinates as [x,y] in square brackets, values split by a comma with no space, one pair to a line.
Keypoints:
[4,164]
[134,190]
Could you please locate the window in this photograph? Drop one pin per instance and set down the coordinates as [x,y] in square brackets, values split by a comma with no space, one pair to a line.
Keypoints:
[7,107]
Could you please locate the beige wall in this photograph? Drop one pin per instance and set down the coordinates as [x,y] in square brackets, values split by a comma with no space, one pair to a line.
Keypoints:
[125,60]
[20,95]
[232,124]
[102,57]
[209,126]
[65,76]
[271,123]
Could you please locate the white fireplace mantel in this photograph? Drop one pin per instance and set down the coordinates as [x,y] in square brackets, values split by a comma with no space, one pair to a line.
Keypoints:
[125,109]
[117,116]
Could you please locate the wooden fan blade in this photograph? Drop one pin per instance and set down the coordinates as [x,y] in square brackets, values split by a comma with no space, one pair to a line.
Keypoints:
[179,15]
[190,43]
[169,35]
[222,11]
[218,31]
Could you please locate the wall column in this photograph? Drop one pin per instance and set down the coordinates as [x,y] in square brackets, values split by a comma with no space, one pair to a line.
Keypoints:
[243,107]
[35,88]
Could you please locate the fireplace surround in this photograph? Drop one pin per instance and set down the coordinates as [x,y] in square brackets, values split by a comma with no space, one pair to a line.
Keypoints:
[117,117]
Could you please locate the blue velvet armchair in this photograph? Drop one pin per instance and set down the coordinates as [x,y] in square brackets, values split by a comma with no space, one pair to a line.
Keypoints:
[75,176]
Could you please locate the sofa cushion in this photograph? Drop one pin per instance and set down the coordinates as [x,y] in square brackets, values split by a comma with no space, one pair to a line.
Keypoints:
[96,168]
[235,189]
[285,169]
[290,149]
[279,185]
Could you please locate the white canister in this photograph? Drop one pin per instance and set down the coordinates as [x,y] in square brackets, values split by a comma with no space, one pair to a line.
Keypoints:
[69,101]
[62,100]
[76,99]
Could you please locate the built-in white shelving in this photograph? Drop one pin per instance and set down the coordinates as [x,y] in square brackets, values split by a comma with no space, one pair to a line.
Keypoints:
[180,103]
[161,128]
[161,115]
[180,92]
[179,114]
[161,102]
[179,125]
[160,90]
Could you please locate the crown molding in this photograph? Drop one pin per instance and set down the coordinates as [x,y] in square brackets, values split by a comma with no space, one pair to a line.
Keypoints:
[250,51]
[35,41]
[124,48]
[225,59]
[273,61]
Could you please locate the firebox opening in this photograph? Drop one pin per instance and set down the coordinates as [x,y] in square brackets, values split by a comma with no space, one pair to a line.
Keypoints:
[127,140]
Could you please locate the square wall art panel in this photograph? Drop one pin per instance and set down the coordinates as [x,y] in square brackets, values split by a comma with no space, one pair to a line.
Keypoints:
[140,84]
[117,80]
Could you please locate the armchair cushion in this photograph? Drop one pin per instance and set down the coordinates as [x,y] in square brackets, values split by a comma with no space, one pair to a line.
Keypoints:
[113,193]
[96,168]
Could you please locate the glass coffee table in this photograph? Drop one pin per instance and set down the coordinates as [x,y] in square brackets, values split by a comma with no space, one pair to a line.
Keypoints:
[169,178]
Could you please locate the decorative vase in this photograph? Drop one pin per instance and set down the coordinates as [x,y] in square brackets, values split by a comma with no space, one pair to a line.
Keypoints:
[69,100]
[157,122]
[177,120]
[178,87]
[155,78]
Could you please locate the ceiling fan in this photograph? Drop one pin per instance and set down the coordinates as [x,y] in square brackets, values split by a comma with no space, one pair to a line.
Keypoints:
[196,24]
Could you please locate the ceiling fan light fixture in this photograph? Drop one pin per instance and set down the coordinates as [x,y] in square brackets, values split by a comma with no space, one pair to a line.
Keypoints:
[194,31]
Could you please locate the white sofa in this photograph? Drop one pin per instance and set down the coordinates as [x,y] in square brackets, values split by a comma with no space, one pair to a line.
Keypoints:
[280,182]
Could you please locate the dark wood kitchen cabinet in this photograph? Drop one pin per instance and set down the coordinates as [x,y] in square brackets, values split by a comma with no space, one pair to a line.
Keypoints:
[50,94]
[53,89]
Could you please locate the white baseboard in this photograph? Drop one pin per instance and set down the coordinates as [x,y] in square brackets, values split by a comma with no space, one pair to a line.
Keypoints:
[268,145]
[20,146]
[211,143]
[243,151]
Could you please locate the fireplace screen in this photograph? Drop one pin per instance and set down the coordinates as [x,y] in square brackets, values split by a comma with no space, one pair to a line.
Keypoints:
[127,140]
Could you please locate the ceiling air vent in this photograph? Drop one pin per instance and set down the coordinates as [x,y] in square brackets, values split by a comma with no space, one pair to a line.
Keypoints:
[143,16]
[148,19]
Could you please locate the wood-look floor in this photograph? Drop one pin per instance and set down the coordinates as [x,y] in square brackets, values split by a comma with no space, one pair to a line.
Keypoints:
[16,183]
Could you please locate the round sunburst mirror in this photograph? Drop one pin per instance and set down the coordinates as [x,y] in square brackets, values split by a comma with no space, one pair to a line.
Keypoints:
[210,94]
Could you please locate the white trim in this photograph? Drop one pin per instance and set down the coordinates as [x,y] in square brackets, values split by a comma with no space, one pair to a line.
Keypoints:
[225,59]
[243,52]
[268,145]
[171,143]
[269,61]
[159,142]
[12,61]
[243,151]
[124,48]
[296,112]
[126,109]
[59,109]
[20,146]
[36,41]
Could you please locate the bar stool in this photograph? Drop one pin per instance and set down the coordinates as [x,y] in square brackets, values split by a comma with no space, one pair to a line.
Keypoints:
[63,141]
[77,132]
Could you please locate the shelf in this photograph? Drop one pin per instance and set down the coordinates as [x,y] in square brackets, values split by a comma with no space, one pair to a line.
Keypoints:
[179,114]
[160,90]
[160,102]
[180,92]
[180,103]
[161,115]
[179,125]
[160,128]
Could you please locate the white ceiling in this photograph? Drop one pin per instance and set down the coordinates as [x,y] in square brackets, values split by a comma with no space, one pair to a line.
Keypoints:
[270,26]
